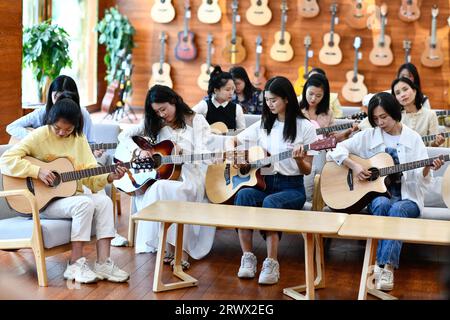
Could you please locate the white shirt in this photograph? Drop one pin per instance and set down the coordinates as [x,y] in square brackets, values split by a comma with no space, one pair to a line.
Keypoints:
[275,143]
[390,141]
[202,108]
[410,147]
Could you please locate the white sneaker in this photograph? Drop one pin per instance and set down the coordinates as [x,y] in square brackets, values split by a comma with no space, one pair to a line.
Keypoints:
[248,266]
[377,270]
[270,272]
[386,281]
[110,271]
[80,272]
[119,241]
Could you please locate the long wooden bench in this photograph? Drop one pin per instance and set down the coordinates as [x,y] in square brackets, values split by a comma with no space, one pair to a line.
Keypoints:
[167,212]
[373,228]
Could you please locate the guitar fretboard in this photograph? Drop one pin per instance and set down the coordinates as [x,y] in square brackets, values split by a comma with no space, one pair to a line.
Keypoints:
[96,146]
[233,156]
[432,137]
[433,32]
[337,127]
[276,157]
[410,165]
[81,174]
[441,113]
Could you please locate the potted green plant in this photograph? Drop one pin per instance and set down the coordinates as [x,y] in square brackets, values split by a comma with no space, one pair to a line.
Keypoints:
[116,33]
[46,51]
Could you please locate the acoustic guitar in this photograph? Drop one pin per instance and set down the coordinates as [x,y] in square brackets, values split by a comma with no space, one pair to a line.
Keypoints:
[161,69]
[206,68]
[234,52]
[409,10]
[330,53]
[259,13]
[223,181]
[222,129]
[281,49]
[209,11]
[308,8]
[354,89]
[111,97]
[381,54]
[374,19]
[407,48]
[342,191]
[162,11]
[342,126]
[258,72]
[185,49]
[358,14]
[164,164]
[303,70]
[65,184]
[432,56]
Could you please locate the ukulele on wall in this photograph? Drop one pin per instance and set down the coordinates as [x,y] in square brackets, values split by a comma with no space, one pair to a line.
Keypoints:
[407,48]
[358,14]
[185,49]
[432,57]
[308,8]
[330,53]
[206,68]
[161,69]
[354,89]
[234,52]
[282,50]
[209,11]
[258,72]
[162,11]
[374,19]
[259,13]
[381,54]
[409,10]
[303,70]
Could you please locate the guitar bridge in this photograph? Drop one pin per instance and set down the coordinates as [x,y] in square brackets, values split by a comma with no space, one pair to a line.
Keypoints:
[350,179]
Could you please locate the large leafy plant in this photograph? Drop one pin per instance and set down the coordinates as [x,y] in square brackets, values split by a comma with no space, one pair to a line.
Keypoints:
[46,51]
[116,33]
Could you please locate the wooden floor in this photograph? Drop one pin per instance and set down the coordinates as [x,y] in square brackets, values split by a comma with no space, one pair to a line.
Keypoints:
[419,277]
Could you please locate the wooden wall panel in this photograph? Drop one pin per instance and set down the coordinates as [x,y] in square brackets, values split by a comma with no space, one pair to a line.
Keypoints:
[10,64]
[184,74]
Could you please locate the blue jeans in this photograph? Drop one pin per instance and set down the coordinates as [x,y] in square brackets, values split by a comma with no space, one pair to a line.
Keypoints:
[282,192]
[388,251]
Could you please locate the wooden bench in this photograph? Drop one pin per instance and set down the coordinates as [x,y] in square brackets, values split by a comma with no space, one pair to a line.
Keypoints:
[373,228]
[194,213]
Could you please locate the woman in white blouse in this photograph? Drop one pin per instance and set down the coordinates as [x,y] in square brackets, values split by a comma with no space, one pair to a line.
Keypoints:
[389,135]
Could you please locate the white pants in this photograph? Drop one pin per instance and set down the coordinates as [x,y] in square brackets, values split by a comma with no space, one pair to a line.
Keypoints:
[82,209]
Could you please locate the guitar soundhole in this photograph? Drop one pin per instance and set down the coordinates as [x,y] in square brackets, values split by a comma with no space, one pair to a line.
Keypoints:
[57,180]
[160,71]
[259,3]
[375,174]
[359,6]
[331,44]
[244,170]
[282,41]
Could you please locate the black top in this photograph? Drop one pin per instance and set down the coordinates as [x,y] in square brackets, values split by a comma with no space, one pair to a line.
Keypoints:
[225,114]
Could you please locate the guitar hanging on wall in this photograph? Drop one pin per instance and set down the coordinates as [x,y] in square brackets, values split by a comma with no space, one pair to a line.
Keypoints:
[407,48]
[354,89]
[303,70]
[282,50]
[234,52]
[161,69]
[185,49]
[206,68]
[409,11]
[330,53]
[162,11]
[381,54]
[258,72]
[432,56]
[357,15]
[259,13]
[209,11]
[308,8]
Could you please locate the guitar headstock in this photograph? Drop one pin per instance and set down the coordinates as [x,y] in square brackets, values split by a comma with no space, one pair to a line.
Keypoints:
[407,44]
[187,6]
[434,11]
[209,40]
[307,41]
[323,144]
[333,9]
[258,40]
[357,43]
[234,6]
[143,164]
[284,6]
[358,116]
[142,142]
[383,10]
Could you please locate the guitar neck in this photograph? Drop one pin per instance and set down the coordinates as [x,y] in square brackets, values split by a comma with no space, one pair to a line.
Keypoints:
[257,63]
[333,17]
[410,165]
[433,32]
[276,158]
[233,28]
[283,25]
[382,33]
[162,54]
[355,65]
[81,174]
[305,75]
[186,24]
[432,137]
[406,55]
[337,127]
[441,113]
[231,156]
[208,57]
[96,146]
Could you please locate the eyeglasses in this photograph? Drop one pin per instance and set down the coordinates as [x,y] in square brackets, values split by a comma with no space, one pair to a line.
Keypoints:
[59,130]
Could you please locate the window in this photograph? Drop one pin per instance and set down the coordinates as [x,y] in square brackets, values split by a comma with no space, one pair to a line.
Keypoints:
[78,18]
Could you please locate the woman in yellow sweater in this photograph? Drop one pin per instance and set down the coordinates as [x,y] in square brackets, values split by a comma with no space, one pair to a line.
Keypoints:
[63,137]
